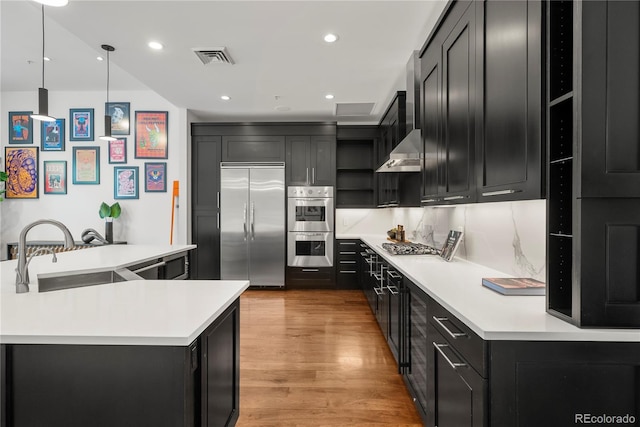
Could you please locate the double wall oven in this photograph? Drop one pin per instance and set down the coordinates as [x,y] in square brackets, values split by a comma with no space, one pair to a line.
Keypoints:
[310,226]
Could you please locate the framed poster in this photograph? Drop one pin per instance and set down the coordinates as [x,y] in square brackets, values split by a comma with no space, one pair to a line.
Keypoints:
[155,177]
[86,165]
[55,177]
[118,151]
[22,169]
[81,122]
[125,182]
[151,134]
[20,127]
[52,134]
[119,112]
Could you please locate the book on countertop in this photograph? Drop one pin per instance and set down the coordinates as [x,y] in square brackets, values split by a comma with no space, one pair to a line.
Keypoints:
[514,285]
[451,245]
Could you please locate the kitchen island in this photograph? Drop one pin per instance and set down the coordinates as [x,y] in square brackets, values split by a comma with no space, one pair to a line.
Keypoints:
[140,352]
[473,357]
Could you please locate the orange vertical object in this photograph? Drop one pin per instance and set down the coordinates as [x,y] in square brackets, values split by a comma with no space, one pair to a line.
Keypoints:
[174,196]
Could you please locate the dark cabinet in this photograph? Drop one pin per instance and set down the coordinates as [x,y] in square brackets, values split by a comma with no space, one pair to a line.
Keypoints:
[206,154]
[310,277]
[355,167]
[118,385]
[348,253]
[459,110]
[311,160]
[456,392]
[396,294]
[220,365]
[593,165]
[449,109]
[510,144]
[252,148]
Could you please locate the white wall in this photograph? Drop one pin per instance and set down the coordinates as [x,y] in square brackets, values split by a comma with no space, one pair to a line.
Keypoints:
[143,221]
[507,236]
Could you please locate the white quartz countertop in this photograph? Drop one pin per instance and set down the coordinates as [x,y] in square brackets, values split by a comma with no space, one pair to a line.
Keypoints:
[139,312]
[457,286]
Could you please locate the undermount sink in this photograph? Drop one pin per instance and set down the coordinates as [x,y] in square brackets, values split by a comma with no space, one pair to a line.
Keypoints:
[59,281]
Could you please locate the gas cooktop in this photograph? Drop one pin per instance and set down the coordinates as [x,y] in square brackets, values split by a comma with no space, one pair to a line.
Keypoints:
[410,249]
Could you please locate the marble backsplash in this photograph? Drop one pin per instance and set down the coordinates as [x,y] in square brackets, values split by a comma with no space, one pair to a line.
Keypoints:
[506,236]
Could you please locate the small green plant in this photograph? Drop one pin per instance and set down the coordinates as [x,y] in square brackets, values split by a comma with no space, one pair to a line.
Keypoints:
[112,211]
[3,178]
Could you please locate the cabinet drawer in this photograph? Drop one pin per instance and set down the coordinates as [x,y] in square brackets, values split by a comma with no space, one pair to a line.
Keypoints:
[460,336]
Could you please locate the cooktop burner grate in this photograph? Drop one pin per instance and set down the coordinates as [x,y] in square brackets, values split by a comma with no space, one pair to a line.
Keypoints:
[410,249]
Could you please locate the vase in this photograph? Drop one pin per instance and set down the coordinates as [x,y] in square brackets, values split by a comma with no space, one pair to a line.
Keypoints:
[108,231]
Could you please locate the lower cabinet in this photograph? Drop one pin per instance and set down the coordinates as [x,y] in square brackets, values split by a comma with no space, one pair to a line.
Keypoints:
[124,385]
[310,278]
[347,251]
[415,346]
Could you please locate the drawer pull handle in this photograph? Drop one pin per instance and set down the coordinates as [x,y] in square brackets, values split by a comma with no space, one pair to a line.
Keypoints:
[454,335]
[455,198]
[347,262]
[379,291]
[347,271]
[454,365]
[347,243]
[310,270]
[499,192]
[393,274]
[392,290]
[347,253]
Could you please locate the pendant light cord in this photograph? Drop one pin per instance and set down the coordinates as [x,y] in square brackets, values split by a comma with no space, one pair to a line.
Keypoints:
[43,61]
[108,67]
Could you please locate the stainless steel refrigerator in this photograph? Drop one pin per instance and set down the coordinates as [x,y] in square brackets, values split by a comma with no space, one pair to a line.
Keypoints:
[252,223]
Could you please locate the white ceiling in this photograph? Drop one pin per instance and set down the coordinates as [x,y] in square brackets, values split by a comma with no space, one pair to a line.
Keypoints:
[277,47]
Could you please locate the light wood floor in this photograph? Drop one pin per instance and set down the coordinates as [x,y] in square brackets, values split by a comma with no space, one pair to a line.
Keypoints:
[317,358]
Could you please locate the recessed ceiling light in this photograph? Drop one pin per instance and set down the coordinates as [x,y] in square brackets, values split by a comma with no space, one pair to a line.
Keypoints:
[56,3]
[330,38]
[329,96]
[46,58]
[100,58]
[156,45]
[225,97]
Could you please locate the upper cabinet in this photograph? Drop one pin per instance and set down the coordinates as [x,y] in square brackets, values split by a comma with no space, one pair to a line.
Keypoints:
[311,160]
[482,103]
[251,148]
[510,94]
[449,108]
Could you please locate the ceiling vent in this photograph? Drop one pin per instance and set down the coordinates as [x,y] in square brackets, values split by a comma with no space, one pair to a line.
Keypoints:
[354,108]
[213,55]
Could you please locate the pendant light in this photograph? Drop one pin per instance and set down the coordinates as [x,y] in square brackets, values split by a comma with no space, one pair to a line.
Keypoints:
[107,118]
[43,93]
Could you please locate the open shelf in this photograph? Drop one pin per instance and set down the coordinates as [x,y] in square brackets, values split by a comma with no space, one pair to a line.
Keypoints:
[355,173]
[560,198]
[560,48]
[561,130]
[559,295]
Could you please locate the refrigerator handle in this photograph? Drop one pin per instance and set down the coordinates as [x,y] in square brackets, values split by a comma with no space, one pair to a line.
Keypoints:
[218,199]
[313,175]
[253,221]
[244,217]
[307,176]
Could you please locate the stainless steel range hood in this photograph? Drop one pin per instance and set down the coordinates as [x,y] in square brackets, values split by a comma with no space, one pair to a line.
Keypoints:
[406,156]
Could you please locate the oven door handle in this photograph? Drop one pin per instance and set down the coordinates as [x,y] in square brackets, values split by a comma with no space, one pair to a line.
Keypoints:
[320,199]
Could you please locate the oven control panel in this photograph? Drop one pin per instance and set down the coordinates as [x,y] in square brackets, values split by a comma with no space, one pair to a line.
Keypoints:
[295,191]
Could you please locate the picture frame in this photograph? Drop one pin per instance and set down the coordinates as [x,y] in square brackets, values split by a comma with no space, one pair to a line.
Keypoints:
[155,177]
[151,137]
[120,116]
[125,182]
[118,151]
[20,127]
[52,135]
[21,164]
[55,176]
[81,124]
[86,165]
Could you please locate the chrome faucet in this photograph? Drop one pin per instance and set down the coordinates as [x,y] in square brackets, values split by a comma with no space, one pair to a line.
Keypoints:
[22,273]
